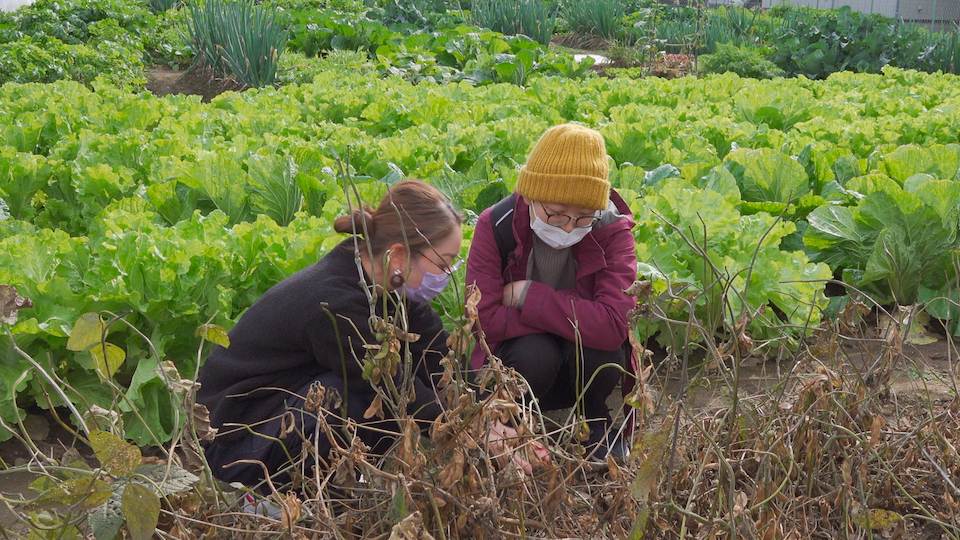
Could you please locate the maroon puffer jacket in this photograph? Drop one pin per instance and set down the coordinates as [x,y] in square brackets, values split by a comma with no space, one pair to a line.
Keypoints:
[595,312]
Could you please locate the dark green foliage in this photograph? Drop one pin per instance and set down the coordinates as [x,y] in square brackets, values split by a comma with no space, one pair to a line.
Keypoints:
[79,40]
[744,61]
[451,55]
[687,30]
[532,18]
[410,16]
[313,33]
[70,21]
[238,39]
[342,6]
[159,6]
[817,43]
[804,41]
[168,42]
[594,17]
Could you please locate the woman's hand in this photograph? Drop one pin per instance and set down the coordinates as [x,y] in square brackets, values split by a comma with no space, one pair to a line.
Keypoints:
[501,442]
[512,292]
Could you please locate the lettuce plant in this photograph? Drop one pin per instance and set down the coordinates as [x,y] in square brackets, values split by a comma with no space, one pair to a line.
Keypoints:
[694,243]
[895,241]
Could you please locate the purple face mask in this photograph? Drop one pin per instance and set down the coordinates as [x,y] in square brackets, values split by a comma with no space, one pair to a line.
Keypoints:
[431,286]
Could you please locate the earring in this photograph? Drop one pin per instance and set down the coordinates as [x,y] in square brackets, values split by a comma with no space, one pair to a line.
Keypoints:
[396,280]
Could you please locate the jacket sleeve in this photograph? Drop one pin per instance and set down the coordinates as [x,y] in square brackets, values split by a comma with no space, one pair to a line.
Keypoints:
[338,333]
[497,321]
[432,345]
[345,328]
[426,353]
[601,321]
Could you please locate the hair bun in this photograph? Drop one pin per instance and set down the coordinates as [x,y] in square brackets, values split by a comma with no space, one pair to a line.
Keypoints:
[360,221]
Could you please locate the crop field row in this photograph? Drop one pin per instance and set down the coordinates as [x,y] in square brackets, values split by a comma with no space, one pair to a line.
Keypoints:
[184,212]
[811,222]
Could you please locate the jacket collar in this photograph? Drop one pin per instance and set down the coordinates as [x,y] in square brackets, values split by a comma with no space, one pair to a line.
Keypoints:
[588,252]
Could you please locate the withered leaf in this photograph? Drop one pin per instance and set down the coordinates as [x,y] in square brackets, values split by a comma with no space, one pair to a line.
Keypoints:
[639,289]
[453,471]
[201,422]
[11,303]
[290,510]
[107,358]
[472,301]
[375,409]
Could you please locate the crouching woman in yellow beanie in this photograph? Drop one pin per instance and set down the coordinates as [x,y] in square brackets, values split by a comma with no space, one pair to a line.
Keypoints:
[551,261]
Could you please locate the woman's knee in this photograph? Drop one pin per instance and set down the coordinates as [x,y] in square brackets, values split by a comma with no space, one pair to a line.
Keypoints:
[537,357]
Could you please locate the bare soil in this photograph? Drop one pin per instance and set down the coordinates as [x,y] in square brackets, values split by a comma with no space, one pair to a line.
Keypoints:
[581,42]
[163,80]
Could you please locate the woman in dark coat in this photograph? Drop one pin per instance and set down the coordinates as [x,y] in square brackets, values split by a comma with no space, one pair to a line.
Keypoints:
[311,329]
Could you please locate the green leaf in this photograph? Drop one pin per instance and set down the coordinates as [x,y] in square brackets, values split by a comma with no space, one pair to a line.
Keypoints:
[770,176]
[772,208]
[141,507]
[833,232]
[662,172]
[81,493]
[845,168]
[151,398]
[947,159]
[907,161]
[116,456]
[107,358]
[96,186]
[215,334]
[274,179]
[722,181]
[87,332]
[763,104]
[169,479]
[872,183]
[394,175]
[219,178]
[171,200]
[944,304]
[22,175]
[893,241]
[106,519]
[944,197]
[398,506]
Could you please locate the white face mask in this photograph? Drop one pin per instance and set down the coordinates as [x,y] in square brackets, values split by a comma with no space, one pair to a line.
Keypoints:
[556,237]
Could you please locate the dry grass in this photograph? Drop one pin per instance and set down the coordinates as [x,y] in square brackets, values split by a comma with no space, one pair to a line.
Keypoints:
[824,452]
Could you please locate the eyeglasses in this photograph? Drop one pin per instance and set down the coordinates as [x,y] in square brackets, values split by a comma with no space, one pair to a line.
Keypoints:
[560,220]
[447,268]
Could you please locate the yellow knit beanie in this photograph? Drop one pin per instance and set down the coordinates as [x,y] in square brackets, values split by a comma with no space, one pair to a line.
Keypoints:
[568,165]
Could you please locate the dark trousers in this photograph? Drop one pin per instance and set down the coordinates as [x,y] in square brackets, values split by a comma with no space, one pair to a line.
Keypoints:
[557,372]
[279,456]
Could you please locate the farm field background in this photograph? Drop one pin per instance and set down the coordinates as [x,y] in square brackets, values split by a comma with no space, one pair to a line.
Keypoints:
[792,221]
[184,212]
